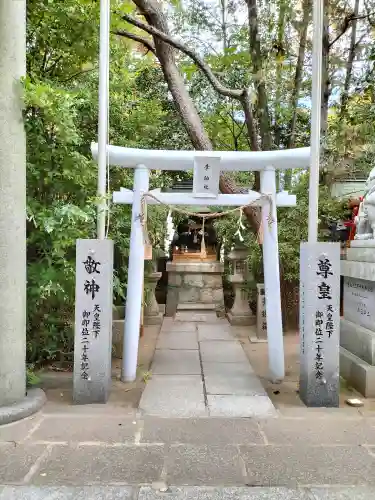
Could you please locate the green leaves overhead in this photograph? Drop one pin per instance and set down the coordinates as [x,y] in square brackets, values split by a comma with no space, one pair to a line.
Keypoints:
[61,108]
[60,112]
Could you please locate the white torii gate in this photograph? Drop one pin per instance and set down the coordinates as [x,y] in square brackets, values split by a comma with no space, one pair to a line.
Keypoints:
[266,162]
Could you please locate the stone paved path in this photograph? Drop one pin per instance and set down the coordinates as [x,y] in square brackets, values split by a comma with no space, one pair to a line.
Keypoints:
[200,369]
[103,453]
[113,452]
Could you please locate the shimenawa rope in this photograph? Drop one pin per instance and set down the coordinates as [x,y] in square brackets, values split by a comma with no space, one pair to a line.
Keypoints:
[204,216]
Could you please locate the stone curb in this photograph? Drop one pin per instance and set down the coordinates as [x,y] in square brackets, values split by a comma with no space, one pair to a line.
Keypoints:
[113,492]
[33,402]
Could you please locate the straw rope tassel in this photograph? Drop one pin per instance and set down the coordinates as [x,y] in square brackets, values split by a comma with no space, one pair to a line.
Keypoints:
[260,234]
[203,243]
[143,218]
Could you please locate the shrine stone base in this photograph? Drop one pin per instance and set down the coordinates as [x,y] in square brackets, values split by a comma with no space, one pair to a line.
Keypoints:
[194,285]
[357,328]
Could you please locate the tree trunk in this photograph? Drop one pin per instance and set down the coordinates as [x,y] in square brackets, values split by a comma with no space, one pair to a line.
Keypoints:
[165,53]
[279,70]
[326,87]
[306,12]
[224,27]
[152,12]
[13,203]
[256,61]
[299,71]
[349,64]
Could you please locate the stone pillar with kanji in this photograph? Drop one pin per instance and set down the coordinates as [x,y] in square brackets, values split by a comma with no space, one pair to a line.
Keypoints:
[93,321]
[261,335]
[319,324]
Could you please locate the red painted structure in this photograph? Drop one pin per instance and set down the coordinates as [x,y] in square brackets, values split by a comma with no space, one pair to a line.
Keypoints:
[354,205]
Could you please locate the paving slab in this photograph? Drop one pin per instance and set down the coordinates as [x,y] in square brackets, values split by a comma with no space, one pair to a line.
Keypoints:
[245,385]
[68,409]
[243,332]
[223,352]
[214,332]
[200,317]
[177,340]
[18,431]
[308,465]
[234,493]
[215,335]
[108,429]
[174,396]
[215,431]
[204,465]
[310,431]
[348,493]
[176,326]
[342,413]
[228,369]
[16,460]
[240,406]
[66,493]
[172,362]
[85,465]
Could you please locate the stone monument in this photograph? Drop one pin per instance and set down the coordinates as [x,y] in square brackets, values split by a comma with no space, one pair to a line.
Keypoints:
[319,324]
[93,321]
[240,314]
[357,329]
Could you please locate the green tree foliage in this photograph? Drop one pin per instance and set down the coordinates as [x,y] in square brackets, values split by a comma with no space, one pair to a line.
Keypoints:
[60,110]
[61,96]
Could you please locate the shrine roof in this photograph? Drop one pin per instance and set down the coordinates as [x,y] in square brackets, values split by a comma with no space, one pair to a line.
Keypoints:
[185,186]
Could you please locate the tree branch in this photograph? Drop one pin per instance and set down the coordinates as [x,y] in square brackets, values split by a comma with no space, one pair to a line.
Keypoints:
[137,38]
[346,24]
[76,75]
[250,123]
[203,66]
[349,64]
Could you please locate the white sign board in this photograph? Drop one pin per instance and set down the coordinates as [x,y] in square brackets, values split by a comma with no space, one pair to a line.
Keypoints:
[319,324]
[206,177]
[93,321]
[359,302]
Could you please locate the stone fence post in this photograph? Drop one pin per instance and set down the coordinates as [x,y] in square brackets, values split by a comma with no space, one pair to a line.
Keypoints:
[261,314]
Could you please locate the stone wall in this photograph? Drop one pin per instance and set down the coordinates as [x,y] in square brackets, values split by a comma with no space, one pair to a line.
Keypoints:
[194,285]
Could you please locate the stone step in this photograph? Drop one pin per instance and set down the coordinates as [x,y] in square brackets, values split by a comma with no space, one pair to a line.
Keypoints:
[357,373]
[358,340]
[199,317]
[196,306]
[359,270]
[360,254]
